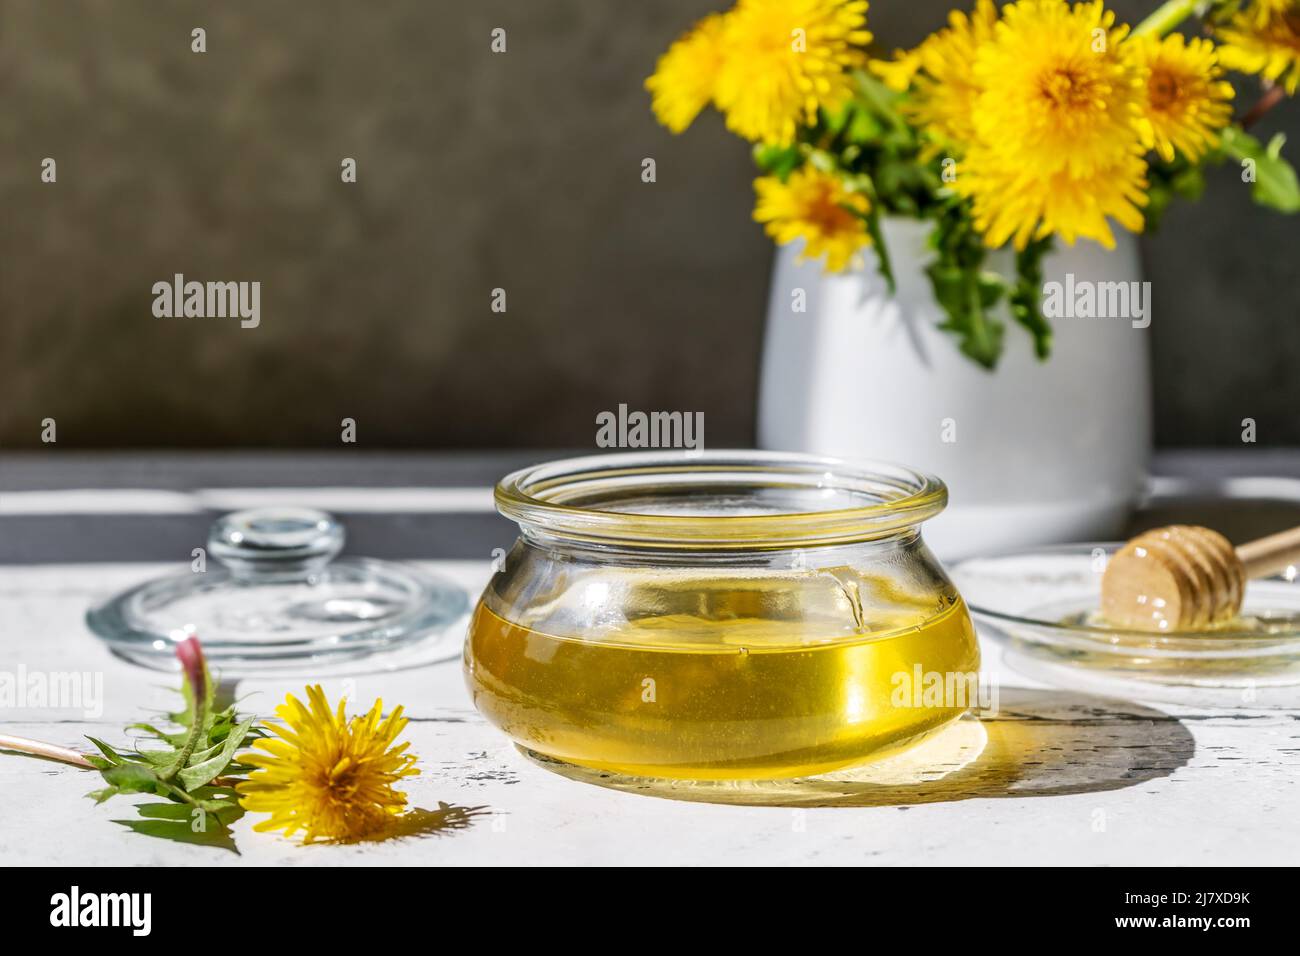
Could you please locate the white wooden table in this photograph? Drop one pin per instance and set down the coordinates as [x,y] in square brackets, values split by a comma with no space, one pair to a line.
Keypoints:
[1063,777]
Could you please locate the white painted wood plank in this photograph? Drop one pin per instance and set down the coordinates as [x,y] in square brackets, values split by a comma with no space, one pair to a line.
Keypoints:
[1065,778]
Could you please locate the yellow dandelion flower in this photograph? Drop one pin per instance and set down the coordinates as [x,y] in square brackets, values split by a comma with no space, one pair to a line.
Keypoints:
[1186,100]
[946,87]
[326,775]
[1261,11]
[1265,39]
[785,58]
[685,76]
[816,207]
[1056,149]
[898,73]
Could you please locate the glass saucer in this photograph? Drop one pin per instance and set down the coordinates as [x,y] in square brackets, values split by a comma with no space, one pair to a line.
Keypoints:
[280,600]
[1042,603]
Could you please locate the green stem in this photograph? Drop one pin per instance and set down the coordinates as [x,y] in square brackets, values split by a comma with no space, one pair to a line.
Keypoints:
[1166,16]
[879,99]
[199,716]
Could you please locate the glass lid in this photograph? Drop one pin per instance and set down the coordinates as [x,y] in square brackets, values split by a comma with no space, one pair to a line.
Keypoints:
[276,597]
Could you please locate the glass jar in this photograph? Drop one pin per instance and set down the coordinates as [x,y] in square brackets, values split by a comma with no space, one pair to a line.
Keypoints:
[728,615]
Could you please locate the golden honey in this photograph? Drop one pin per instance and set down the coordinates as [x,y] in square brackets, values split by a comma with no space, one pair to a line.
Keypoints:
[727,677]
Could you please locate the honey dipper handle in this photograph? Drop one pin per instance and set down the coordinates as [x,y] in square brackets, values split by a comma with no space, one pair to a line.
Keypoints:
[1270,555]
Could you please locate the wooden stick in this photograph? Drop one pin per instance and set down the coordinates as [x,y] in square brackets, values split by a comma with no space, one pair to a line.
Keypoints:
[1270,555]
[39,748]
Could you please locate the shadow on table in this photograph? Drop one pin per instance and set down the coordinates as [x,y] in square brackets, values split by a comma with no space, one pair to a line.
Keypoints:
[1039,743]
[174,822]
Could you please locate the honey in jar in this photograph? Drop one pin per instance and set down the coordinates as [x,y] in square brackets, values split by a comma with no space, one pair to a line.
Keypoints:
[634,630]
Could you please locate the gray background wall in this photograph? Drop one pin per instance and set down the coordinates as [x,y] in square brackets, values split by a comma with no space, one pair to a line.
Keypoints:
[476,171]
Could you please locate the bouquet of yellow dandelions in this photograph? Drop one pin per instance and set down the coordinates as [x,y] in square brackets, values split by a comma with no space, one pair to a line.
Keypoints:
[1008,127]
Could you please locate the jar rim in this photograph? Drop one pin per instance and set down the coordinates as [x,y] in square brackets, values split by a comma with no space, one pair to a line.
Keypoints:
[559,499]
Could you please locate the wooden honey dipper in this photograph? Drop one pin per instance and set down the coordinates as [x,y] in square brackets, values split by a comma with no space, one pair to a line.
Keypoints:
[1185,577]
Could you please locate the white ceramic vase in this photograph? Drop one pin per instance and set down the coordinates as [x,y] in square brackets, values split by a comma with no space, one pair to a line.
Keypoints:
[1033,453]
